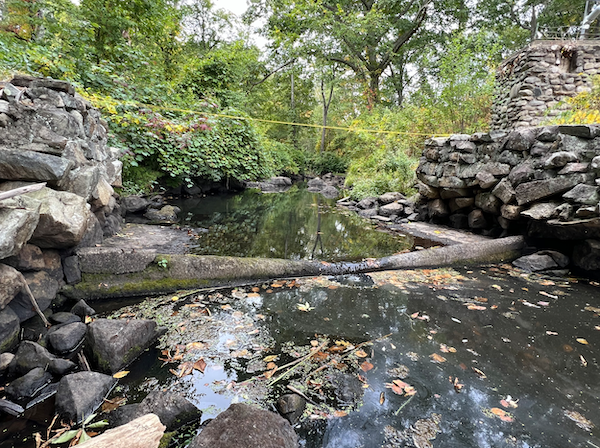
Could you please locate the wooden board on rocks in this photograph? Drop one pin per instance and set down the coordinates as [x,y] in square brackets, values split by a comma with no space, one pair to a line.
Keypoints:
[143,432]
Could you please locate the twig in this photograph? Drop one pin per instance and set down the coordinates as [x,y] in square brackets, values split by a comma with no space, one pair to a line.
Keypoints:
[403,404]
[297,362]
[83,361]
[593,444]
[21,190]
[36,307]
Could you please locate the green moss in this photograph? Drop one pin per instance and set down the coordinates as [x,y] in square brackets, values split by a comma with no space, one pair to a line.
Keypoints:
[166,439]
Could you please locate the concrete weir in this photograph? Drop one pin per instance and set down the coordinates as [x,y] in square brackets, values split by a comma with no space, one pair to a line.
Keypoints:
[109,272]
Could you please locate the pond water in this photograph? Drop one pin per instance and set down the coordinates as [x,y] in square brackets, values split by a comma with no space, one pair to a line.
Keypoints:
[293,225]
[485,358]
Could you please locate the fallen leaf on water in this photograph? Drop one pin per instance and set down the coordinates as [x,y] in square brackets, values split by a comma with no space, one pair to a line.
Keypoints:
[593,309]
[476,307]
[333,287]
[547,283]
[597,327]
[270,358]
[414,315]
[271,366]
[87,320]
[320,356]
[481,299]
[509,402]
[226,307]
[366,366]
[174,298]
[254,289]
[479,372]
[457,385]
[240,353]
[200,365]
[583,361]
[381,398]
[543,303]
[314,343]
[496,287]
[276,285]
[580,420]
[454,319]
[361,354]
[253,294]
[305,307]
[547,294]
[340,413]
[551,333]
[111,405]
[501,414]
[582,341]
[121,374]
[437,358]
[269,373]
[529,304]
[184,369]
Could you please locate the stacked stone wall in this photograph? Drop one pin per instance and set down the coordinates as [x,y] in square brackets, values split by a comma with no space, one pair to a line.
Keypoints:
[531,86]
[542,181]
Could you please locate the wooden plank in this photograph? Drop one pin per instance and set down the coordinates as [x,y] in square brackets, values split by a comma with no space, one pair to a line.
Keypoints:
[22,190]
[143,432]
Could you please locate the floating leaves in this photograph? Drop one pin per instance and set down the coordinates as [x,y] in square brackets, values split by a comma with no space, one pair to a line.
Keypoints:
[437,358]
[582,341]
[200,365]
[270,358]
[186,368]
[479,373]
[509,402]
[456,383]
[304,307]
[121,374]
[501,414]
[445,349]
[579,420]
[399,387]
[361,353]
[366,366]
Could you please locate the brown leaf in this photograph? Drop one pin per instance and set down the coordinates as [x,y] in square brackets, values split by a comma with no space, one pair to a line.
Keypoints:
[381,398]
[269,373]
[340,413]
[121,374]
[200,365]
[271,366]
[582,341]
[196,346]
[366,366]
[479,372]
[501,414]
[437,358]
[111,405]
[255,289]
[361,354]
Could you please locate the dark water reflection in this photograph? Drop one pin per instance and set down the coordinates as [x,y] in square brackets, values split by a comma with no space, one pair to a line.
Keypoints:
[293,225]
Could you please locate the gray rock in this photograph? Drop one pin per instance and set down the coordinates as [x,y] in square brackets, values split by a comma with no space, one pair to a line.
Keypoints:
[560,259]
[135,204]
[82,309]
[583,131]
[71,269]
[33,166]
[29,258]
[488,203]
[82,181]
[291,407]
[317,183]
[541,189]
[504,191]
[19,217]
[29,385]
[280,181]
[521,139]
[66,338]
[511,212]
[168,213]
[5,360]
[564,211]
[586,255]
[459,221]
[540,149]
[368,213]
[44,289]
[390,209]
[116,343]
[54,84]
[10,408]
[548,134]
[486,180]
[437,209]
[583,194]
[535,263]
[521,173]
[63,318]
[243,426]
[11,284]
[428,191]
[9,330]
[330,192]
[544,210]
[449,193]
[63,219]
[477,220]
[586,212]
[30,355]
[367,203]
[388,198]
[575,167]
[560,159]
[172,409]
[80,394]
[114,260]
[595,165]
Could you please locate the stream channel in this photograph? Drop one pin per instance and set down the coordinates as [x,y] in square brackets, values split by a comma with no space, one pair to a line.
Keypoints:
[485,357]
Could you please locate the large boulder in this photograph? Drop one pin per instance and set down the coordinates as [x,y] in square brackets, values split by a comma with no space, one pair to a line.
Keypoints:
[172,409]
[19,217]
[43,287]
[28,385]
[586,255]
[31,355]
[529,192]
[11,284]
[66,338]
[33,166]
[80,394]
[116,343]
[9,330]
[244,426]
[29,258]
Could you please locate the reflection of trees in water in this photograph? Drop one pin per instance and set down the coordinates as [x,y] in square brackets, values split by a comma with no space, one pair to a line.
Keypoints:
[293,225]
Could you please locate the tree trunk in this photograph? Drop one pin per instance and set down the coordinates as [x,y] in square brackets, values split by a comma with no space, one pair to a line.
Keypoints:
[373,91]
[143,432]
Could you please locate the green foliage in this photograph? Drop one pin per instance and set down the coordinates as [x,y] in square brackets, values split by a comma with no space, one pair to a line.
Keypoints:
[327,162]
[584,108]
[284,159]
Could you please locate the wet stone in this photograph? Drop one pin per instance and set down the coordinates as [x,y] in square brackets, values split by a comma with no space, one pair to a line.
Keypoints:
[28,385]
[535,263]
[82,309]
[291,407]
[67,338]
[80,394]
[63,317]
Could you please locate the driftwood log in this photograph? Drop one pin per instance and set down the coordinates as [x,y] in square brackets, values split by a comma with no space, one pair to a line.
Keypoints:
[143,432]
[22,190]
[197,271]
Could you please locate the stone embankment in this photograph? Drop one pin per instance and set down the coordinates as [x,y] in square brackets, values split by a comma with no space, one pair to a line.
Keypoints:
[542,182]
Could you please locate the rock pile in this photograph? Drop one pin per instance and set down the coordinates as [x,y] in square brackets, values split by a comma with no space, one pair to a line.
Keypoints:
[543,181]
[392,207]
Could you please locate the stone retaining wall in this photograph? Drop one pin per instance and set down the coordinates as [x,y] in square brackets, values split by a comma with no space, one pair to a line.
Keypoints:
[542,181]
[531,84]
[49,134]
